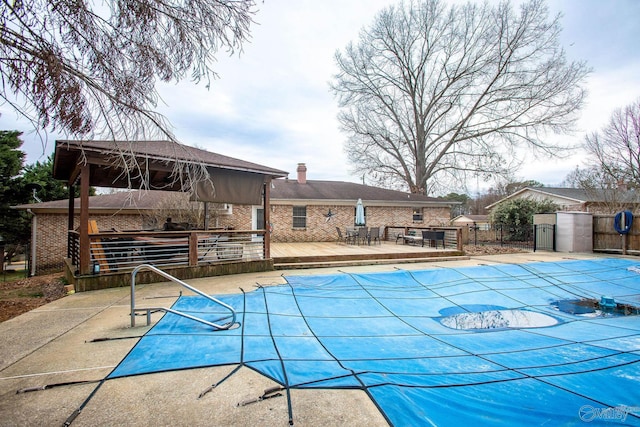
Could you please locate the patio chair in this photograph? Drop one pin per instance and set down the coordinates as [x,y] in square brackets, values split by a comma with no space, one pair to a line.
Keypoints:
[374,235]
[341,238]
[352,235]
[363,235]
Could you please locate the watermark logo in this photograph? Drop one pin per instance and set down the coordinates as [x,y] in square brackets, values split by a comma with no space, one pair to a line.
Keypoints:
[590,413]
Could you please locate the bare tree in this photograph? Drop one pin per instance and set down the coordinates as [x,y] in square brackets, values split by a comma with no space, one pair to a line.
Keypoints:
[615,150]
[87,68]
[431,94]
[606,193]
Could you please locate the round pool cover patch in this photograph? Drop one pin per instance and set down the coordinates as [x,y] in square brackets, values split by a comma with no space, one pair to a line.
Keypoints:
[498,319]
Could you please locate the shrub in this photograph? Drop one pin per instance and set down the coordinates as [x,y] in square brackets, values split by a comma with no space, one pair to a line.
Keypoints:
[517,215]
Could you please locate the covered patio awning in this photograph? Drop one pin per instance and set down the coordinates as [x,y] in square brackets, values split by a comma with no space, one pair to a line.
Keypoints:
[158,165]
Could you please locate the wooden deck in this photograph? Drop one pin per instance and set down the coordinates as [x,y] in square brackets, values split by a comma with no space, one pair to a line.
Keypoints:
[326,254]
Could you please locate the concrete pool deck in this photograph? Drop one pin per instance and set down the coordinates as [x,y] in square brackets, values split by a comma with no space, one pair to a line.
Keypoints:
[79,339]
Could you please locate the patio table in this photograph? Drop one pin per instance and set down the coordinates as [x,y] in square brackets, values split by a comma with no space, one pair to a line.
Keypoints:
[352,235]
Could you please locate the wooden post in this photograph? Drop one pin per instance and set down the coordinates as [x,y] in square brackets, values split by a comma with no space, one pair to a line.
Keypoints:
[193,249]
[85,250]
[267,218]
[624,235]
[71,214]
[206,216]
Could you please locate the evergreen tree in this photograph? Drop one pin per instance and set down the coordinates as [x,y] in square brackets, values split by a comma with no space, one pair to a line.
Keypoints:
[14,225]
[41,173]
[516,215]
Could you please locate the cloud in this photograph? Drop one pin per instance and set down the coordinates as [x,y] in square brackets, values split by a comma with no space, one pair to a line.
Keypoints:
[272,105]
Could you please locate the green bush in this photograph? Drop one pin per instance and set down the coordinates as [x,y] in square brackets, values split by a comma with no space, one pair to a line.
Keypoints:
[516,215]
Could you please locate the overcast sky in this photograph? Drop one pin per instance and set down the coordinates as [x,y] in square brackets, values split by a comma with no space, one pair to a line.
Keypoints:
[272,104]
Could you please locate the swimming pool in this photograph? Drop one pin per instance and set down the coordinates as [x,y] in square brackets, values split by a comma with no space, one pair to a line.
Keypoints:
[392,335]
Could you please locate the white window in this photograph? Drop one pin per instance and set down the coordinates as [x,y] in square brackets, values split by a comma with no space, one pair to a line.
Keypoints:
[299,217]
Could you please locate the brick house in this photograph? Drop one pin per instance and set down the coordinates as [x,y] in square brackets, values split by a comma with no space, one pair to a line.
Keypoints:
[472,226]
[480,221]
[119,211]
[309,210]
[299,213]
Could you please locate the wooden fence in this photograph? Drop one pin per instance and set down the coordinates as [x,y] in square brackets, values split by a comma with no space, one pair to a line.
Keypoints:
[606,239]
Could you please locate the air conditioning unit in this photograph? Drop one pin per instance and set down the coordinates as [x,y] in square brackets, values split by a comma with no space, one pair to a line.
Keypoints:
[224,209]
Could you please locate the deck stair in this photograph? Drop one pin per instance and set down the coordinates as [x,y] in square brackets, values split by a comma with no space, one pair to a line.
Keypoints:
[318,256]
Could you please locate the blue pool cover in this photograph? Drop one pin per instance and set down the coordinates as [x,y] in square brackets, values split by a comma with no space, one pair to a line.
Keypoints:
[384,333]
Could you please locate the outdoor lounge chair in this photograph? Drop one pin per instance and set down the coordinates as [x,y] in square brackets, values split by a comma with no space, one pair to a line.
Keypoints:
[410,238]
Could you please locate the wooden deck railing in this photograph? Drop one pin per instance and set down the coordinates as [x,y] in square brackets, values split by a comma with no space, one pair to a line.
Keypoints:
[113,252]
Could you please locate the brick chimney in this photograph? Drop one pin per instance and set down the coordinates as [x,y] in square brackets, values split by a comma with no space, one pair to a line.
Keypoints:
[302,173]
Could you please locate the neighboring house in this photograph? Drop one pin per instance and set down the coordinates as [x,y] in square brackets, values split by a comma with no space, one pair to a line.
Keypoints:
[120,211]
[580,200]
[466,223]
[480,221]
[299,213]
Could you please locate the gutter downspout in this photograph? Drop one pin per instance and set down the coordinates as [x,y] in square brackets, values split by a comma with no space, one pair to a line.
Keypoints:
[34,235]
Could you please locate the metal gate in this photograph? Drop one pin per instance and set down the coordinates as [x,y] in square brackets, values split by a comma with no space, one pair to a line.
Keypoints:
[545,237]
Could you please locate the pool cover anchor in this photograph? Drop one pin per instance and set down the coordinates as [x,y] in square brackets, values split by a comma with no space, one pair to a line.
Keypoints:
[50,386]
[268,394]
[214,385]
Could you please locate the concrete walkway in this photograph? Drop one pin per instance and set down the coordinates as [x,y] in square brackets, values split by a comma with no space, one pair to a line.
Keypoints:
[62,342]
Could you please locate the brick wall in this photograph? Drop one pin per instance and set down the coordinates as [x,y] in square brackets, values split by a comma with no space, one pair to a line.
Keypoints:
[51,236]
[318,229]
[51,239]
[240,220]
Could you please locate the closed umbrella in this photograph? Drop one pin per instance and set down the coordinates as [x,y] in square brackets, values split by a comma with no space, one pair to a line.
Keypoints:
[359,213]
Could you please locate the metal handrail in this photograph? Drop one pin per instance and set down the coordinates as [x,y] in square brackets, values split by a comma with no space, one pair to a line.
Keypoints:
[169,310]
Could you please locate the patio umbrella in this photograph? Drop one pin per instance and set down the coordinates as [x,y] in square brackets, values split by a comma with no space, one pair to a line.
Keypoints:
[359,213]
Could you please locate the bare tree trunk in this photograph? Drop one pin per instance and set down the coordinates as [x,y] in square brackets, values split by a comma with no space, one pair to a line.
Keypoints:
[431,94]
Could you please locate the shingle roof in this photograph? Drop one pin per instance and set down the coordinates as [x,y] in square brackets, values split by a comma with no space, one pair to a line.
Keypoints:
[577,195]
[161,152]
[590,195]
[312,190]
